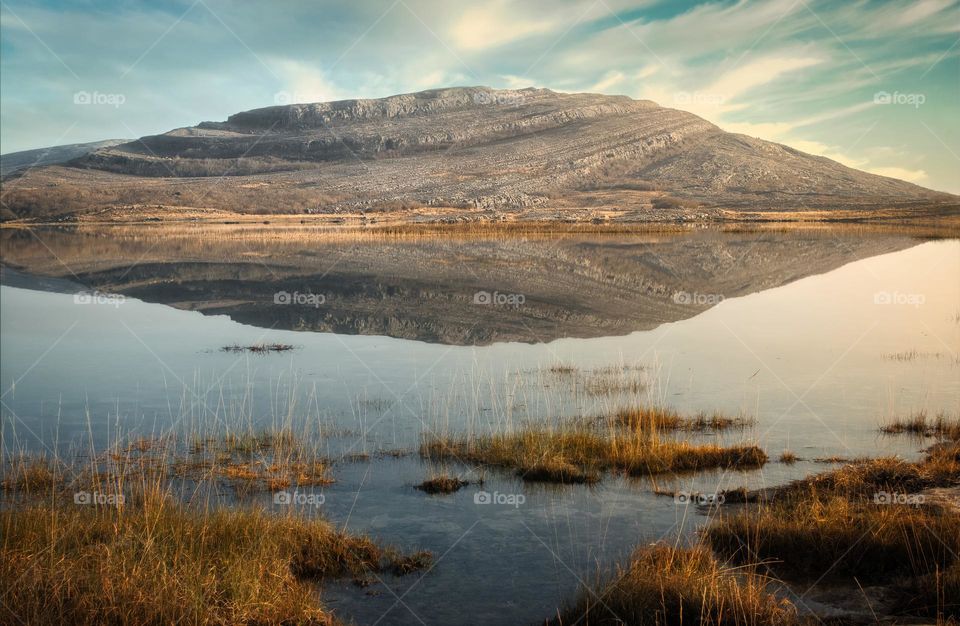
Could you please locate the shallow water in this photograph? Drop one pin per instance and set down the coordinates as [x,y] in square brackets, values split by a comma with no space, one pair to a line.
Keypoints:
[819,336]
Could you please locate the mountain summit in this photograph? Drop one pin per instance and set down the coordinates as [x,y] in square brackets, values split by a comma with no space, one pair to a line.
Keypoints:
[467,147]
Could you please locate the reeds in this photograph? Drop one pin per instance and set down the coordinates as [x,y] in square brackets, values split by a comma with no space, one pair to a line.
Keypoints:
[656,418]
[819,534]
[614,381]
[666,585]
[788,457]
[862,523]
[577,453]
[921,425]
[611,380]
[871,520]
[243,462]
[32,474]
[157,560]
[158,530]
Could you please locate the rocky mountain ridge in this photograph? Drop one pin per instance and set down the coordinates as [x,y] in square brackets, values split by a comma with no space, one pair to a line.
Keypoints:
[465,147]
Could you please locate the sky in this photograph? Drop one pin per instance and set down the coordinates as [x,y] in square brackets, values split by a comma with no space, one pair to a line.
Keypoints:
[872,84]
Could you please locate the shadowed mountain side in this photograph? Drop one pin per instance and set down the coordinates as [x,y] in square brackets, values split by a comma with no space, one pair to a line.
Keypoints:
[426,288]
[517,151]
[14,161]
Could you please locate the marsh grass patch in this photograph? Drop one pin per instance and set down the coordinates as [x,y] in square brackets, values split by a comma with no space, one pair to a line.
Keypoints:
[658,418]
[920,424]
[159,560]
[788,457]
[843,526]
[442,484]
[579,452]
[664,585]
[243,461]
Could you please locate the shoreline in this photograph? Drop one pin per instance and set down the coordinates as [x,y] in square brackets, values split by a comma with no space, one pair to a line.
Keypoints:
[943,219]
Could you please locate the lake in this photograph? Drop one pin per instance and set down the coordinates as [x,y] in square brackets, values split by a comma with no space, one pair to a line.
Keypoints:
[820,335]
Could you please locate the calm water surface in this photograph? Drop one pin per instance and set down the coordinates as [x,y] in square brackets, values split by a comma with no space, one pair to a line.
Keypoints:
[820,337]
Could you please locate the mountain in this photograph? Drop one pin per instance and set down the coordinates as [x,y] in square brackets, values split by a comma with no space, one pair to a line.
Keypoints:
[15,161]
[505,152]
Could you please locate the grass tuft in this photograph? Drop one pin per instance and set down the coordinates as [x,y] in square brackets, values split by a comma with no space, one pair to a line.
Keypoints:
[656,418]
[558,471]
[788,458]
[579,453]
[942,426]
[32,475]
[666,586]
[442,484]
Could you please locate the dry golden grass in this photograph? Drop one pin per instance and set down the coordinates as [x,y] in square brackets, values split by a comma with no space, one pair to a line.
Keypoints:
[820,534]
[831,459]
[32,474]
[442,484]
[266,459]
[788,458]
[149,557]
[558,470]
[829,526]
[865,522]
[578,453]
[656,418]
[666,586]
[157,561]
[244,462]
[614,380]
[920,424]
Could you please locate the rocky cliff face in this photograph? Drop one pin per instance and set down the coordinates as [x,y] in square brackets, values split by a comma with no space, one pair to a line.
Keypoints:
[467,147]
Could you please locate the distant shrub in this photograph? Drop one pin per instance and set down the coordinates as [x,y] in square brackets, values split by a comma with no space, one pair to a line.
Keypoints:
[625,185]
[668,202]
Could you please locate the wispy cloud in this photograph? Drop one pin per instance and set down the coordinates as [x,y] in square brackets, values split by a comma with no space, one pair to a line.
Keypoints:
[496,22]
[803,72]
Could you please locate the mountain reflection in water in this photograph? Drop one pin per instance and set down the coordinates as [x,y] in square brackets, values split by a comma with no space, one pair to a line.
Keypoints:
[457,290]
